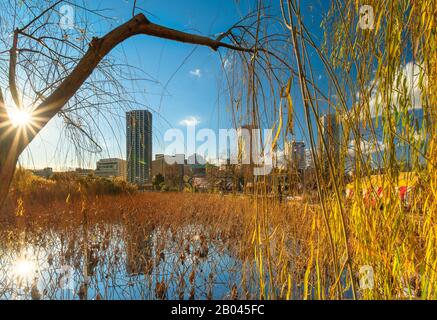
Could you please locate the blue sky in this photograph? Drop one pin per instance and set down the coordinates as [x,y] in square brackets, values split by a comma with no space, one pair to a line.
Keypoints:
[192,76]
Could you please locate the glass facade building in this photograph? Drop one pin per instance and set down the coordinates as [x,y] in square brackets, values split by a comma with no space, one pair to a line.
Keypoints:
[139,146]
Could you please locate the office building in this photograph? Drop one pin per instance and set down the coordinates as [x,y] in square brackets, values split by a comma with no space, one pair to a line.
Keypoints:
[139,146]
[111,168]
[172,172]
[82,172]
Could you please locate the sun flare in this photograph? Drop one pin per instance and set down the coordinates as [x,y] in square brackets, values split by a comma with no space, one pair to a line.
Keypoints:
[24,268]
[19,117]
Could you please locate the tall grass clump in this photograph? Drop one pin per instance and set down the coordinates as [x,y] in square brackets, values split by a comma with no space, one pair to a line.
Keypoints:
[62,185]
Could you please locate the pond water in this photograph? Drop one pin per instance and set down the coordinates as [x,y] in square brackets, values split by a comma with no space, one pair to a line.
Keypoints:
[118,263]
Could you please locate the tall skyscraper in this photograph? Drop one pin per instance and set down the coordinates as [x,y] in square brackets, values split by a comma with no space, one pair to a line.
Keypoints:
[139,146]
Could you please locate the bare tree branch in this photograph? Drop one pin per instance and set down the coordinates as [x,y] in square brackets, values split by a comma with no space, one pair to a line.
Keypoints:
[41,14]
[12,70]
[99,48]
[134,7]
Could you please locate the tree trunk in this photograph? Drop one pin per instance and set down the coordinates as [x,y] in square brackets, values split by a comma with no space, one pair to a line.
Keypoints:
[7,170]
[8,163]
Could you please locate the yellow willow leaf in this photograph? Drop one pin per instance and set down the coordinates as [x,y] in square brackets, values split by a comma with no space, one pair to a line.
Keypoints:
[431,23]
[319,280]
[20,207]
[378,22]
[281,251]
[288,295]
[278,131]
[284,272]
[261,273]
[254,236]
[289,109]
[285,93]
[313,225]
[67,200]
[307,274]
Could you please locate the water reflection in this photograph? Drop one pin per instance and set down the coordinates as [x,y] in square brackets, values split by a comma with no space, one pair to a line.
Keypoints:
[120,262]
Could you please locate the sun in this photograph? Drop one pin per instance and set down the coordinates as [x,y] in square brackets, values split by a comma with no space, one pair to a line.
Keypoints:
[24,268]
[19,117]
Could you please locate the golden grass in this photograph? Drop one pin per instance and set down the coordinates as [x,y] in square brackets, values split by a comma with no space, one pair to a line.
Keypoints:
[284,247]
[227,219]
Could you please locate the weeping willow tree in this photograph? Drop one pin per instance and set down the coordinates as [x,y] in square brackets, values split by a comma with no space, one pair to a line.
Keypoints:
[384,71]
[380,61]
[372,135]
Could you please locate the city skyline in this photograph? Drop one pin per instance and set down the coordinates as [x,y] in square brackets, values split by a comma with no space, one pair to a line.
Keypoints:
[183,84]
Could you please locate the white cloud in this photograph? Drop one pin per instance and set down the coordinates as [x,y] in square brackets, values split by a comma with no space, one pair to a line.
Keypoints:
[196,73]
[406,84]
[227,64]
[366,147]
[190,121]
